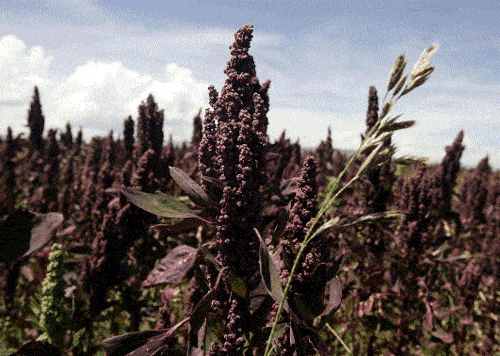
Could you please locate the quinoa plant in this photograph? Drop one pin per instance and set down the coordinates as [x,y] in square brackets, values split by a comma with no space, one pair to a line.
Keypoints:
[236,299]
[374,147]
[36,121]
[53,317]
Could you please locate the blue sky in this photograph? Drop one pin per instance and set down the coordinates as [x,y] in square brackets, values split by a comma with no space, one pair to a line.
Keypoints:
[95,61]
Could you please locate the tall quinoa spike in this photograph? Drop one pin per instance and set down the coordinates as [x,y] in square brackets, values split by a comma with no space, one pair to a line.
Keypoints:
[474,193]
[7,192]
[233,150]
[241,139]
[206,158]
[149,128]
[446,177]
[128,136]
[197,129]
[36,121]
[303,210]
[67,137]
[414,204]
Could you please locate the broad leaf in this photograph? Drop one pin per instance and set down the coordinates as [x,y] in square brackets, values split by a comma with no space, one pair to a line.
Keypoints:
[159,204]
[190,187]
[140,343]
[198,349]
[237,285]
[213,181]
[213,329]
[124,344]
[444,336]
[38,348]
[23,233]
[200,313]
[187,224]
[332,297]
[289,186]
[173,268]
[269,273]
[43,230]
[280,224]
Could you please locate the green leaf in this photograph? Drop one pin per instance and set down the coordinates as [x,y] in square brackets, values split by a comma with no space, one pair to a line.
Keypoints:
[214,327]
[197,349]
[326,226]
[77,337]
[398,126]
[410,160]
[193,190]
[385,215]
[442,335]
[269,273]
[237,285]
[214,181]
[187,224]
[159,204]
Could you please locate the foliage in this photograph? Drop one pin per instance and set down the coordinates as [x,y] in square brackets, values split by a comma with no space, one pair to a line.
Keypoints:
[232,245]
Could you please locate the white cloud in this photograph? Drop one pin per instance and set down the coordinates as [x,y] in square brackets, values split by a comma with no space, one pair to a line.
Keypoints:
[102,95]
[22,68]
[96,93]
[97,96]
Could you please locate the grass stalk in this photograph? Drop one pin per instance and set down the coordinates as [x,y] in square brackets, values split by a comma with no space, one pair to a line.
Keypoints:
[337,336]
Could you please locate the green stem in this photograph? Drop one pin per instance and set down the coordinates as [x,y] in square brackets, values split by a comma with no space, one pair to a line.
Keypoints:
[283,299]
[337,336]
[333,194]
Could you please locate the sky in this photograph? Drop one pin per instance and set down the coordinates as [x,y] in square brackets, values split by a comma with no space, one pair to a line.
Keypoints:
[95,61]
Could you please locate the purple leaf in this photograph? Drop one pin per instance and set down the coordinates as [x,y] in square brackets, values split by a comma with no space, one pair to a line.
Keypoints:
[173,268]
[38,348]
[43,229]
[23,233]
[442,335]
[332,297]
[200,313]
[141,343]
